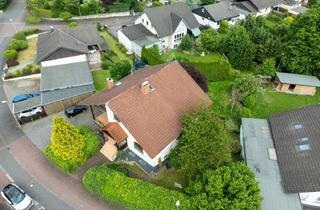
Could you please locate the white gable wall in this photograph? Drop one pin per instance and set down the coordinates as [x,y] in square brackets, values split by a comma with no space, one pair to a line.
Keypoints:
[123,39]
[180,30]
[263,12]
[130,141]
[144,20]
[206,22]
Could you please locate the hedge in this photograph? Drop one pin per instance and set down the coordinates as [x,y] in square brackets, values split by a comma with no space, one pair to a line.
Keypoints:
[33,20]
[42,13]
[214,71]
[150,56]
[132,193]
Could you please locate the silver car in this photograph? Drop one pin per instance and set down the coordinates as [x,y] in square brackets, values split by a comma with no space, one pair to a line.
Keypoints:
[16,197]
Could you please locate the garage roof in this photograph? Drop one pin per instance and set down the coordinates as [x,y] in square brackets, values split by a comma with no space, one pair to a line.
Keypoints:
[26,104]
[298,79]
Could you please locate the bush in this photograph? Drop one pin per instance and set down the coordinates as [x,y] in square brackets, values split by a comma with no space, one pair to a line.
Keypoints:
[73,24]
[268,67]
[16,44]
[27,70]
[42,13]
[33,20]
[19,36]
[196,76]
[36,69]
[122,48]
[249,101]
[186,43]
[156,3]
[120,69]
[118,167]
[151,55]
[112,53]
[10,54]
[3,4]
[12,62]
[131,193]
[106,64]
[65,16]
[244,86]
[92,142]
[245,112]
[30,31]
[99,26]
[214,71]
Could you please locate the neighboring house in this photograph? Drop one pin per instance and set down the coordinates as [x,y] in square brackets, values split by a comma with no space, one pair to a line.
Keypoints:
[148,106]
[67,41]
[296,83]
[65,82]
[293,7]
[256,7]
[212,15]
[168,24]
[259,154]
[295,136]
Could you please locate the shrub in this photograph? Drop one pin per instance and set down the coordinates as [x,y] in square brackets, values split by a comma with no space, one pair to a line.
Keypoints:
[249,101]
[268,67]
[118,167]
[16,44]
[112,53]
[33,20]
[156,3]
[3,4]
[99,26]
[131,193]
[120,69]
[106,64]
[73,24]
[27,70]
[245,112]
[196,76]
[36,69]
[10,54]
[30,31]
[65,16]
[12,62]
[42,13]
[186,43]
[151,55]
[214,71]
[244,86]
[122,48]
[19,36]
[92,142]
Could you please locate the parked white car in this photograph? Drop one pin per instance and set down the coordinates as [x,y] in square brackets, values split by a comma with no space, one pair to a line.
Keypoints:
[29,113]
[16,197]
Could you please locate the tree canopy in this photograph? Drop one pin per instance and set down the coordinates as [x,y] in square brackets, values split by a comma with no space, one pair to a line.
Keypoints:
[239,49]
[66,141]
[204,143]
[120,69]
[186,43]
[302,46]
[231,187]
[245,86]
[209,40]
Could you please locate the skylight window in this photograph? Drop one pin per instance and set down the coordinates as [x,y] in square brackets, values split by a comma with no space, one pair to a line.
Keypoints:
[304,139]
[303,146]
[297,126]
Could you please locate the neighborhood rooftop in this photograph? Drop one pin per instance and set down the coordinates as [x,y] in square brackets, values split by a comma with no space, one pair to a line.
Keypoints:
[262,4]
[256,142]
[296,136]
[298,79]
[65,78]
[221,11]
[165,19]
[153,119]
[135,32]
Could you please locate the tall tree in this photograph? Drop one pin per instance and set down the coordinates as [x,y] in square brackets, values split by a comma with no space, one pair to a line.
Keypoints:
[66,141]
[239,49]
[302,46]
[231,187]
[204,143]
[209,39]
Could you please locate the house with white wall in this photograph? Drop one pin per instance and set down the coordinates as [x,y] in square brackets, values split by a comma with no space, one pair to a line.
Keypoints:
[211,15]
[148,107]
[168,24]
[256,7]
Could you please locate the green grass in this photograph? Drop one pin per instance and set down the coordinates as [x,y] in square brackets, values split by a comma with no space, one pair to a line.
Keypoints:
[99,78]
[167,177]
[269,102]
[29,53]
[118,7]
[113,45]
[193,58]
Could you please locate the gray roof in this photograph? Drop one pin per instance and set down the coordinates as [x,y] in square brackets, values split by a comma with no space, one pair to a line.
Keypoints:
[298,79]
[296,136]
[48,97]
[165,18]
[76,39]
[244,7]
[135,32]
[26,104]
[300,9]
[255,143]
[66,75]
[262,4]
[146,41]
[221,11]
[50,42]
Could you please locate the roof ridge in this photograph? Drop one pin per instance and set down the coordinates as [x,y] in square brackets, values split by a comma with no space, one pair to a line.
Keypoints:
[134,85]
[66,33]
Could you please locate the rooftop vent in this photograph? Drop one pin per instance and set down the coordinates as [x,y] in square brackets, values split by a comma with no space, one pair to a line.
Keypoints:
[146,87]
[297,126]
[272,154]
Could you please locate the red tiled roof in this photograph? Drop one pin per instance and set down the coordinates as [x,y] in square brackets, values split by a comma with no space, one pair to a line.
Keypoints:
[115,131]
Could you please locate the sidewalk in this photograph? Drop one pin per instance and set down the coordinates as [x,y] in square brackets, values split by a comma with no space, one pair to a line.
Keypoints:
[70,189]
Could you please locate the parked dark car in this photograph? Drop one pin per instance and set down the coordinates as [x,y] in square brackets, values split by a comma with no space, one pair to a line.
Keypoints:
[24,97]
[74,110]
[16,197]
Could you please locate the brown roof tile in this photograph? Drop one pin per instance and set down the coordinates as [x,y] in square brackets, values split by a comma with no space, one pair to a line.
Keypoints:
[115,131]
[154,119]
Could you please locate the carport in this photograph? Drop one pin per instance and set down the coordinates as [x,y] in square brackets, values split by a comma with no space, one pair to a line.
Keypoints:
[27,104]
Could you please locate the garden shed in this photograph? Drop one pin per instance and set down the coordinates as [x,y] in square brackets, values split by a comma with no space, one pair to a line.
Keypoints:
[296,83]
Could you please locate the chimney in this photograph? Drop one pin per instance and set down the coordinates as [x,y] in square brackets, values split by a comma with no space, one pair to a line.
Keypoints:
[51,28]
[110,83]
[145,87]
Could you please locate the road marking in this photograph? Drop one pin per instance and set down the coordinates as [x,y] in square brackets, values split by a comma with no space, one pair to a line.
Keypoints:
[4,102]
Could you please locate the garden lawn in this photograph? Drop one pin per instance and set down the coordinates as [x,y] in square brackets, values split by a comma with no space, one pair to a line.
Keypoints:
[29,53]
[113,45]
[192,58]
[92,146]
[99,78]
[269,102]
[167,177]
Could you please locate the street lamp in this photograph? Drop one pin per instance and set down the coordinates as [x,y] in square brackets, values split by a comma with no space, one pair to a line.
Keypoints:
[14,26]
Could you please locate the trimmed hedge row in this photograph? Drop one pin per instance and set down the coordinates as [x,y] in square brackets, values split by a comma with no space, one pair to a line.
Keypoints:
[151,55]
[132,193]
[215,71]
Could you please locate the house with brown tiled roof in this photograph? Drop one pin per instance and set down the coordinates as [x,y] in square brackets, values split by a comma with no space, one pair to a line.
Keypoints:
[145,109]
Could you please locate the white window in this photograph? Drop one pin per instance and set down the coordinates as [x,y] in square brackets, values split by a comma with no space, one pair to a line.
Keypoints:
[147,23]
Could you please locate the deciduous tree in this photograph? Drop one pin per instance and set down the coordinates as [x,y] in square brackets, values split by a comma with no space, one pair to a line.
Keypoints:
[196,76]
[120,69]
